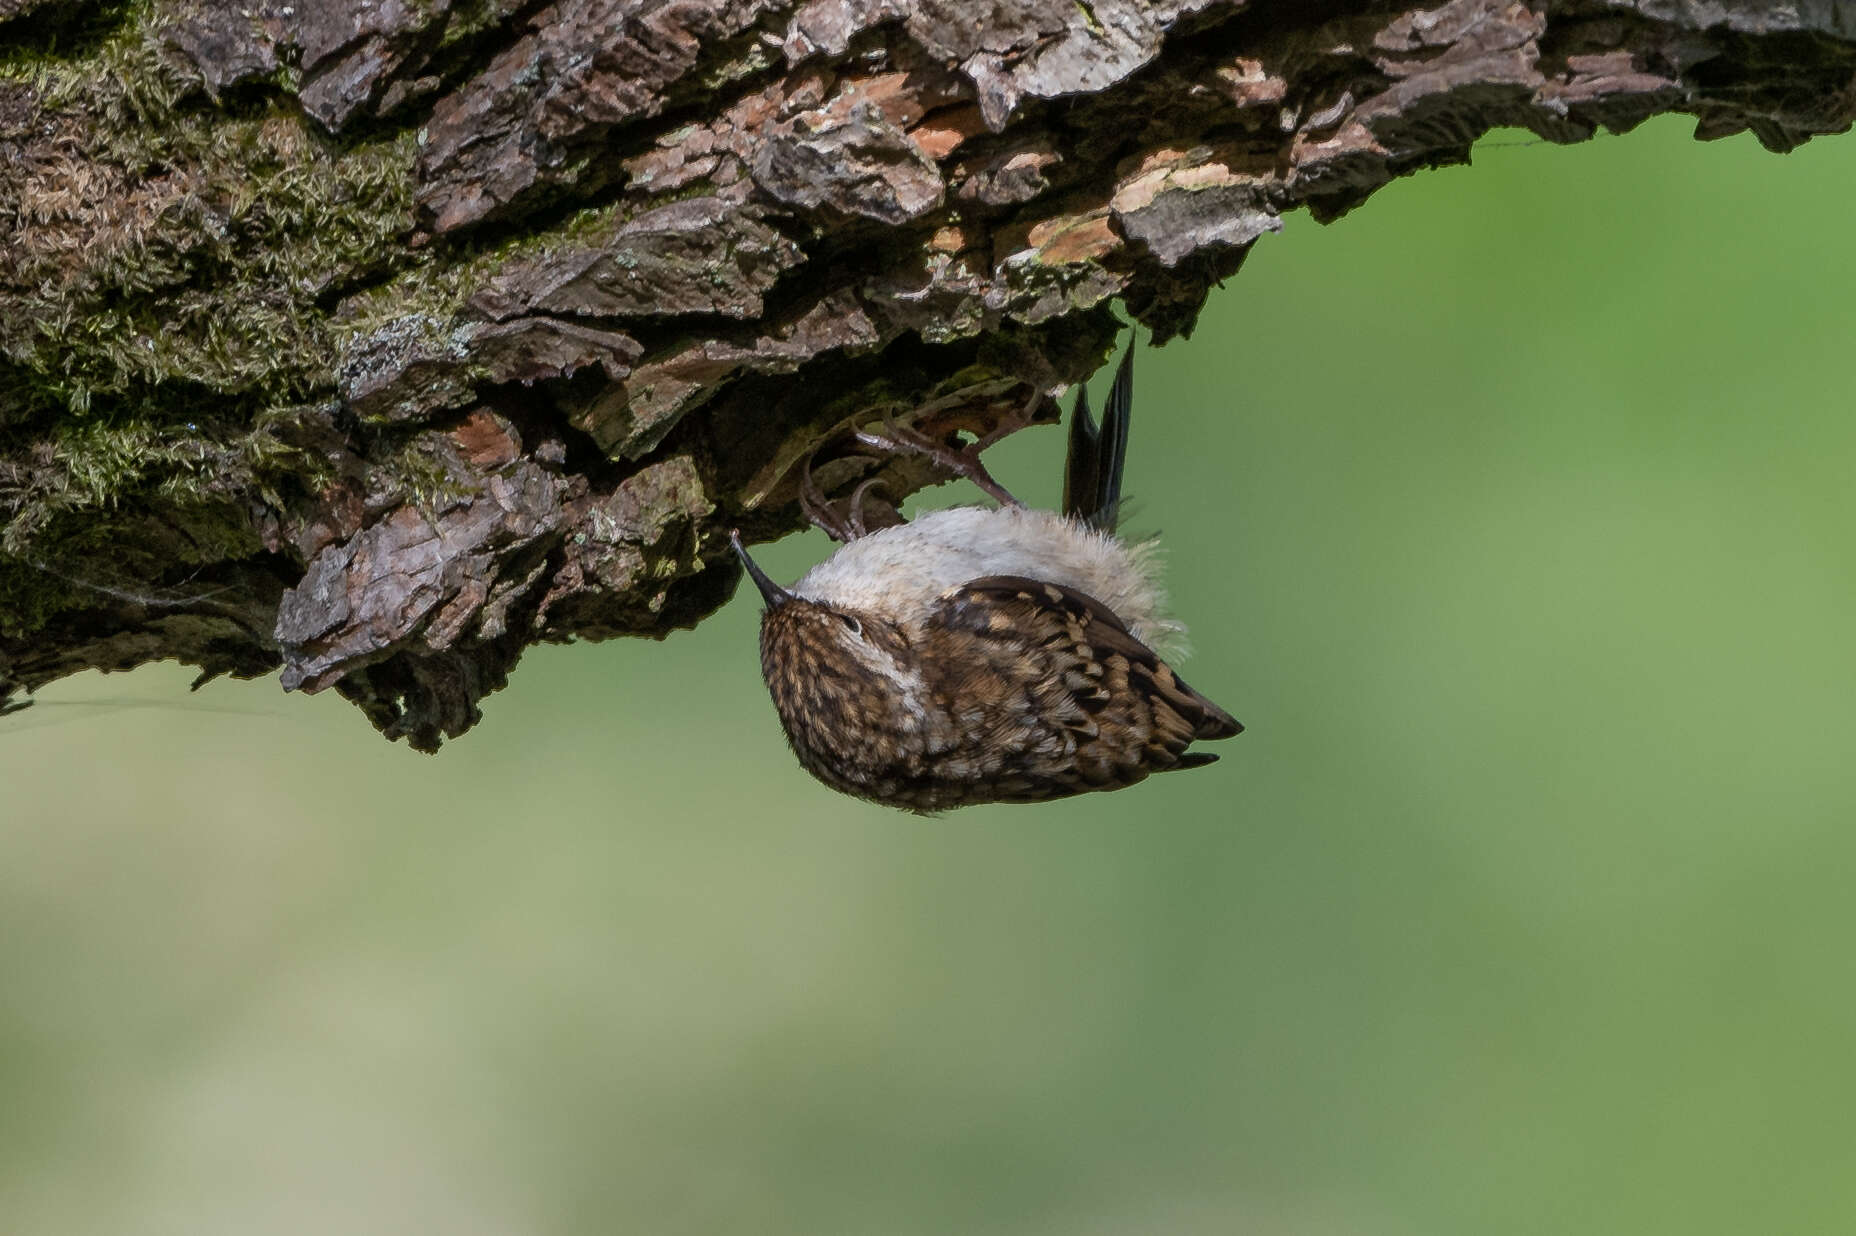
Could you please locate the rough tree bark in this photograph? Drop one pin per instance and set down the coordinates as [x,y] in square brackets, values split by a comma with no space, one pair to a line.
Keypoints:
[375,340]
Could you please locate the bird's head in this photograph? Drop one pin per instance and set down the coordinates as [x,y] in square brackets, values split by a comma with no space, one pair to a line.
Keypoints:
[826,664]
[809,628]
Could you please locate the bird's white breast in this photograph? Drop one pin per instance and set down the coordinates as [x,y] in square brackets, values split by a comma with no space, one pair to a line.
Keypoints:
[901,571]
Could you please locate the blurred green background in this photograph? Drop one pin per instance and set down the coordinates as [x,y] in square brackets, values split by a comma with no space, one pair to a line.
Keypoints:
[1513,515]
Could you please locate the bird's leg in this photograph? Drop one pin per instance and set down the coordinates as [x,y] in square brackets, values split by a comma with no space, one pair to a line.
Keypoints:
[856,504]
[848,519]
[1025,418]
[821,512]
[961,461]
[849,522]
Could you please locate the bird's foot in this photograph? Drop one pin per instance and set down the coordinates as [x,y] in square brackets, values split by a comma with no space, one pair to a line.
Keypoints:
[961,461]
[850,518]
[859,514]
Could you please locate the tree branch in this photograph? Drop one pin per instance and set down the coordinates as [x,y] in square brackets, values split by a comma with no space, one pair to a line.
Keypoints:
[374,342]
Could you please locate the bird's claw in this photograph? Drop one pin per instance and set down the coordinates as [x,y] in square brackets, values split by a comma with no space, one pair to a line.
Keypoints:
[849,522]
[961,461]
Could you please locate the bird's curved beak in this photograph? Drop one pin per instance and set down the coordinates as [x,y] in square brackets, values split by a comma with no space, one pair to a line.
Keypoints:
[770,592]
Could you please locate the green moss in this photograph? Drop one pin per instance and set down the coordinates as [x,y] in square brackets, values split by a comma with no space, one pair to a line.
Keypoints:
[425,470]
[169,240]
[97,466]
[64,32]
[278,467]
[125,78]
[734,61]
[212,271]
[202,257]
[471,18]
[29,598]
[121,503]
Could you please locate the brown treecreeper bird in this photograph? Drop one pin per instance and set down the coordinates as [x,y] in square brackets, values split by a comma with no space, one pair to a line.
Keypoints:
[975,656]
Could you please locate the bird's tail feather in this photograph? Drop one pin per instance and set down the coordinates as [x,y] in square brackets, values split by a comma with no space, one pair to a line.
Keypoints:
[1097,455]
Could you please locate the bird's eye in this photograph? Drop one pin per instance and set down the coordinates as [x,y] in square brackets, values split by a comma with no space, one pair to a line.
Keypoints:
[851,623]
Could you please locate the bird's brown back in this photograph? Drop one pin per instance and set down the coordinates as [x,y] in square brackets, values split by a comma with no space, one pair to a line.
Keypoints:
[1071,701]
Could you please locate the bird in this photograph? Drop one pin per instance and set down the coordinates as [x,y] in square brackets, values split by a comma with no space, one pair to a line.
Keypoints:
[986,655]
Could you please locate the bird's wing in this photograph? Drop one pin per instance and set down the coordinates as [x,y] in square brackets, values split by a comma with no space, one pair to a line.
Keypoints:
[1120,709]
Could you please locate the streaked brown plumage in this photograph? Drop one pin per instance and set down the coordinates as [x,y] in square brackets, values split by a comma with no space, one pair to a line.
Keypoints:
[910,671]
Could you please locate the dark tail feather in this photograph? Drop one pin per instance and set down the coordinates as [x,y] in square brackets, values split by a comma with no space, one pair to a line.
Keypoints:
[1092,474]
[1079,466]
[1115,442]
